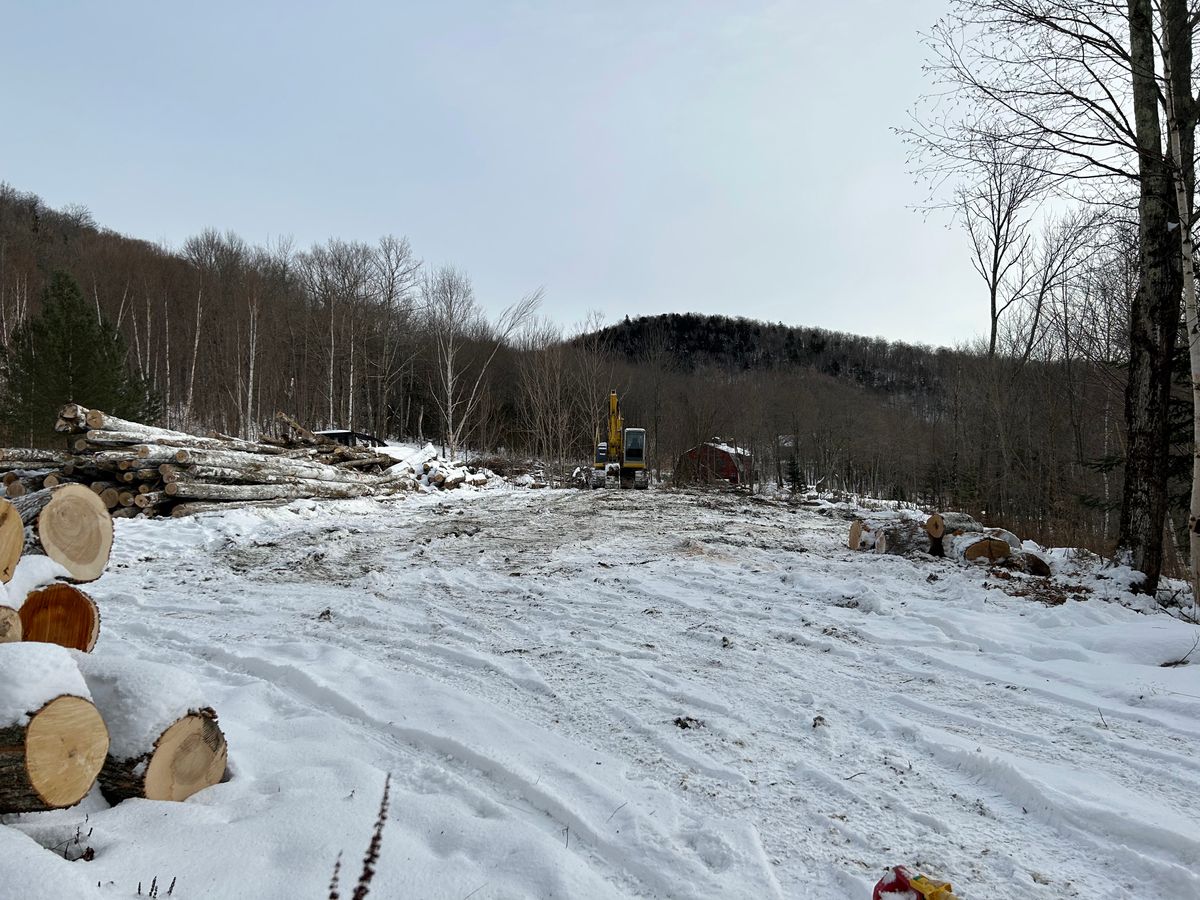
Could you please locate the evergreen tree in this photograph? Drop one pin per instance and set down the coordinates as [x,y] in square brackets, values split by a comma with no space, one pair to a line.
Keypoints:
[67,353]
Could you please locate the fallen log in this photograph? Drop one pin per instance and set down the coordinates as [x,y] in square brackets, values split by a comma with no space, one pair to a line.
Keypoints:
[28,455]
[69,524]
[864,533]
[182,510]
[251,464]
[165,741]
[939,525]
[300,489]
[61,614]
[901,538]
[53,742]
[110,427]
[978,547]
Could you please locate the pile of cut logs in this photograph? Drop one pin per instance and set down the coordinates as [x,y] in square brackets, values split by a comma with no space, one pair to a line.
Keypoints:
[70,718]
[140,470]
[953,535]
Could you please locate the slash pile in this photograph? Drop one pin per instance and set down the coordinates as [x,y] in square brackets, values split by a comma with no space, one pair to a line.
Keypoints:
[141,470]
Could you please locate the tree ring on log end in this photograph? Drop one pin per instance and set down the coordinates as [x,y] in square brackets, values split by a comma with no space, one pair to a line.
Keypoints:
[189,756]
[61,614]
[10,625]
[12,540]
[75,530]
[65,746]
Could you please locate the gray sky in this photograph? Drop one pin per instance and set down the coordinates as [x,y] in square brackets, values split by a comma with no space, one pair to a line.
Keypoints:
[632,157]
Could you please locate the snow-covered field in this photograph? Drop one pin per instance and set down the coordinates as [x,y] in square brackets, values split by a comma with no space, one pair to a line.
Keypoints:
[523,664]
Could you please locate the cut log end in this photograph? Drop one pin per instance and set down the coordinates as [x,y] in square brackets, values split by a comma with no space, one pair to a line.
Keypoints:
[12,540]
[856,534]
[61,614]
[188,757]
[10,625]
[75,530]
[935,526]
[988,548]
[52,762]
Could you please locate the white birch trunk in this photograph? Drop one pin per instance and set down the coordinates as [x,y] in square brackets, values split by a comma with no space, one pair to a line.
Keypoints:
[1192,318]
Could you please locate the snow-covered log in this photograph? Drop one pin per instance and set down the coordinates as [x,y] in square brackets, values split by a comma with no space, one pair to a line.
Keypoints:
[53,742]
[61,614]
[191,508]
[864,533]
[165,741]
[249,463]
[978,547]
[103,424]
[32,456]
[69,524]
[299,489]
[941,525]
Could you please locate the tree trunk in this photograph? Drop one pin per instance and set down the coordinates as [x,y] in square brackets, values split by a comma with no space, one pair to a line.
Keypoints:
[1181,119]
[61,614]
[1154,321]
[69,524]
[52,750]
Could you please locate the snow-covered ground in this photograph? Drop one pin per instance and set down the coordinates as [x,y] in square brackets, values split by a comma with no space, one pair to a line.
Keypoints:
[524,664]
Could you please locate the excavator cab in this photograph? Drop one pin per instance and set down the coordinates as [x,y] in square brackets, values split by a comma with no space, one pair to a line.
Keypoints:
[633,467]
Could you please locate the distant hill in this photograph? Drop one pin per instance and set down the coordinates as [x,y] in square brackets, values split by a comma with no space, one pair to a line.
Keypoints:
[689,341]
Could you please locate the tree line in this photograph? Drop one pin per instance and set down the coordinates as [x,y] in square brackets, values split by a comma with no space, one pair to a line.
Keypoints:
[221,334]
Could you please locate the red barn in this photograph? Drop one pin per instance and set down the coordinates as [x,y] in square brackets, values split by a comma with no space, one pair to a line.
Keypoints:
[714,460]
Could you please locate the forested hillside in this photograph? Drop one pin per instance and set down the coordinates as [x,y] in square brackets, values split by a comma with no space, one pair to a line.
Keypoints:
[694,341]
[221,334]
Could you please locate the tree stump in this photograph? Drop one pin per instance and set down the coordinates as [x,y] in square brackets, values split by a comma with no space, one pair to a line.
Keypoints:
[69,524]
[61,614]
[53,742]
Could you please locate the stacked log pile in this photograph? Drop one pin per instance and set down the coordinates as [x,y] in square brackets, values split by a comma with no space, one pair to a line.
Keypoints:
[141,470]
[952,535]
[70,718]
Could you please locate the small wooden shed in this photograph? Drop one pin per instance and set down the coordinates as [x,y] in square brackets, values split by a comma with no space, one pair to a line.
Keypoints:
[714,460]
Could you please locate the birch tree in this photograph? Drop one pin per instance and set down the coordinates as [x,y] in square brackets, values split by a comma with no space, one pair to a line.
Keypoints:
[454,316]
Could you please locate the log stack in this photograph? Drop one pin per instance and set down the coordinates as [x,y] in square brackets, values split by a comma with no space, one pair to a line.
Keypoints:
[70,718]
[144,471]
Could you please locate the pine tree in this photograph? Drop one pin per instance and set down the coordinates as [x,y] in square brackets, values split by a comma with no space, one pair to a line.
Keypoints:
[67,353]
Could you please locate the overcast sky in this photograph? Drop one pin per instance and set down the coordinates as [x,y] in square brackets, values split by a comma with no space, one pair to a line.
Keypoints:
[632,157]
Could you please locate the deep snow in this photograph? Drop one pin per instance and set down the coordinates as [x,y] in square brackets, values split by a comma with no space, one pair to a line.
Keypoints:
[518,660]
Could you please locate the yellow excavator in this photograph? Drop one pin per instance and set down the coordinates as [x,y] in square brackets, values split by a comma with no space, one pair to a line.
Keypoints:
[620,460]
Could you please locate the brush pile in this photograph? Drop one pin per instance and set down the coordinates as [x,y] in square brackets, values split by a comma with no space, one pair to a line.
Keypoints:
[140,470]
